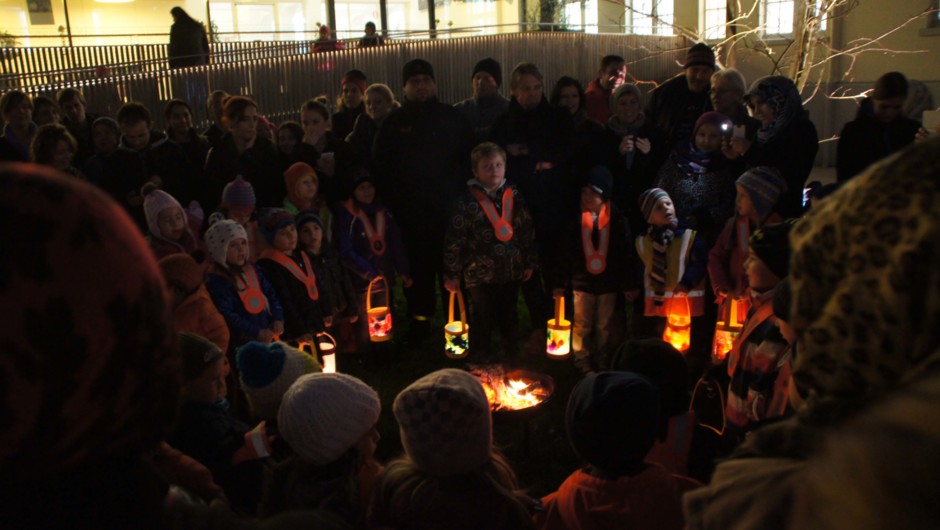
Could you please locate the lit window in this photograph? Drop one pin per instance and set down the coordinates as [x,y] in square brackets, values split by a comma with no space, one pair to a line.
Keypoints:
[714,19]
[649,17]
[778,17]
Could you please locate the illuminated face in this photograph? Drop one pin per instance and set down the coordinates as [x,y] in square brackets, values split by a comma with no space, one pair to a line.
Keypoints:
[306,187]
[104,138]
[491,172]
[364,193]
[246,128]
[591,201]
[352,95]
[762,111]
[759,276]
[568,98]
[377,105]
[74,110]
[237,252]
[285,239]
[62,155]
[286,141]
[699,77]
[743,202]
[311,236]
[708,138]
[627,108]
[136,135]
[484,85]
[725,99]
[613,76]
[886,110]
[528,91]
[420,88]
[171,223]
[180,120]
[664,213]
[314,124]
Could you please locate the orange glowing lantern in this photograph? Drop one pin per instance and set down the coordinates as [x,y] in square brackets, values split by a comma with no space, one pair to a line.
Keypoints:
[729,325]
[327,346]
[558,344]
[379,317]
[456,332]
[678,323]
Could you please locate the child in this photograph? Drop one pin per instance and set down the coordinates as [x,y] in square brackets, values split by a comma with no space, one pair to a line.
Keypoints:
[450,476]
[753,361]
[238,204]
[334,278]
[674,261]
[266,372]
[302,186]
[239,290]
[593,257]
[293,277]
[172,230]
[329,421]
[612,420]
[490,247]
[193,310]
[370,245]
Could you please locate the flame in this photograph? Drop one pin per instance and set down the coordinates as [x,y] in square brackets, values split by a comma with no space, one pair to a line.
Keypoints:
[504,393]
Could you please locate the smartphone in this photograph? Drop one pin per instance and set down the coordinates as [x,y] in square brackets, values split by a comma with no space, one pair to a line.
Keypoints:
[931,120]
[740,131]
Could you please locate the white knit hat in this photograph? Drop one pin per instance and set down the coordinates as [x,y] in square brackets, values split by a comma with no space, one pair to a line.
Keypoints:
[267,371]
[323,415]
[155,201]
[219,235]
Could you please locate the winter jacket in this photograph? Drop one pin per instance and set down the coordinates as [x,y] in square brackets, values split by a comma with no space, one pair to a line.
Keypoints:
[243,326]
[302,316]
[336,281]
[570,267]
[165,159]
[687,257]
[866,140]
[726,258]
[257,164]
[197,314]
[344,120]
[482,113]
[474,254]
[673,108]
[189,45]
[597,101]
[356,251]
[793,152]
[633,172]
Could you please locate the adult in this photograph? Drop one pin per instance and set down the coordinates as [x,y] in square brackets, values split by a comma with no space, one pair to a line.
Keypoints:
[486,104]
[333,158]
[214,105]
[727,94]
[612,72]
[46,110]
[189,44]
[879,129]
[588,133]
[422,154]
[18,126]
[179,120]
[77,120]
[370,38]
[380,102]
[351,105]
[787,139]
[119,172]
[675,105]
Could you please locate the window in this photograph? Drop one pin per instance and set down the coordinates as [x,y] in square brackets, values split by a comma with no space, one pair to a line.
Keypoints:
[714,19]
[649,17]
[778,16]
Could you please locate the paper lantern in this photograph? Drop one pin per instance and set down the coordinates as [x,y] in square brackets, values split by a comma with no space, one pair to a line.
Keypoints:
[456,332]
[558,343]
[326,344]
[730,322]
[379,317]
[678,323]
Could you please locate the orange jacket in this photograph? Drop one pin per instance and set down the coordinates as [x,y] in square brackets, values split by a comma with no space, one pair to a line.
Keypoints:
[197,314]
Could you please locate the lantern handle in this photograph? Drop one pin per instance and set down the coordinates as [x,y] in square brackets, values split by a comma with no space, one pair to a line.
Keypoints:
[327,335]
[369,291]
[450,309]
[559,309]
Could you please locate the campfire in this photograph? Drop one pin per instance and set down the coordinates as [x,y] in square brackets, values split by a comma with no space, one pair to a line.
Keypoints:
[513,390]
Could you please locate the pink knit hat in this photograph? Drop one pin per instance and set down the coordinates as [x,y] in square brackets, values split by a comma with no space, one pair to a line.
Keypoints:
[155,201]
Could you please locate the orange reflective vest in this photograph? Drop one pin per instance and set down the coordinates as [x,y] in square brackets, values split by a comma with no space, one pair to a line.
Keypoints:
[249,290]
[308,278]
[502,224]
[376,233]
[595,259]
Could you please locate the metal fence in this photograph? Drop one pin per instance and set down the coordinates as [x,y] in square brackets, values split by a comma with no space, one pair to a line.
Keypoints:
[280,76]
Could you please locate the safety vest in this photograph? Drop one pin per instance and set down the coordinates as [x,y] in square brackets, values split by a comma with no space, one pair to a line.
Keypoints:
[677,256]
[502,224]
[374,233]
[595,259]
[249,290]
[306,277]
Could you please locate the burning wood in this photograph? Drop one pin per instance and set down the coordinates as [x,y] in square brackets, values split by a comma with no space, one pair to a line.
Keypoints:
[510,391]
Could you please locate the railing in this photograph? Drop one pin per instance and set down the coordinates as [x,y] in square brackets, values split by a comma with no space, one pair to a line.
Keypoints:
[280,76]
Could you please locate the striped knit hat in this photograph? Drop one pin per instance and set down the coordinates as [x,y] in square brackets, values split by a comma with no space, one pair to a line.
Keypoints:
[764,186]
[238,193]
[648,201]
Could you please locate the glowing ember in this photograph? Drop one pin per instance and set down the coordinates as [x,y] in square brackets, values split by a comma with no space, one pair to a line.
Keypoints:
[507,392]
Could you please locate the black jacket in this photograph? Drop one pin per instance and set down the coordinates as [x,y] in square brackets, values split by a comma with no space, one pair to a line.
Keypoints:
[866,140]
[257,164]
[673,108]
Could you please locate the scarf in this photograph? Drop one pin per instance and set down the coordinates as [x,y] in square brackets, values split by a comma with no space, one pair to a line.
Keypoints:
[660,236]
[783,97]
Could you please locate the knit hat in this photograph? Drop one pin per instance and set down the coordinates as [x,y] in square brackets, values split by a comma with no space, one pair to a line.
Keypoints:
[267,371]
[772,245]
[155,201]
[183,271]
[490,66]
[626,88]
[296,172]
[89,365]
[764,185]
[700,55]
[238,193]
[716,119]
[356,77]
[307,216]
[323,415]
[416,67]
[600,179]
[362,175]
[271,220]
[662,364]
[445,422]
[219,235]
[783,299]
[612,419]
[648,200]
[196,352]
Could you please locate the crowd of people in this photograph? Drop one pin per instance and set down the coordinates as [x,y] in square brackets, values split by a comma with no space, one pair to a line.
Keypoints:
[190,274]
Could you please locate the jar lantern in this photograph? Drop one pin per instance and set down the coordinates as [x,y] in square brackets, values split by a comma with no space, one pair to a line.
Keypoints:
[379,317]
[558,344]
[326,344]
[678,330]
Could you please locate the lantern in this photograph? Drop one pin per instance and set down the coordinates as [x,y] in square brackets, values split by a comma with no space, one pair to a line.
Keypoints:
[327,346]
[730,322]
[379,317]
[678,323]
[456,332]
[558,344]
